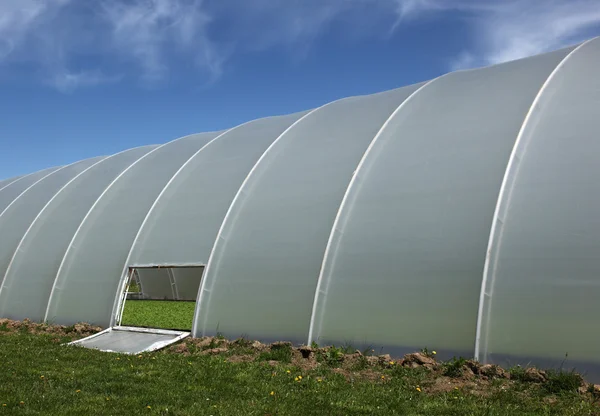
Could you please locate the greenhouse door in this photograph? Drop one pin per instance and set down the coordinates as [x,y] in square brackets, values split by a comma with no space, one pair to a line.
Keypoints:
[131,340]
[156,310]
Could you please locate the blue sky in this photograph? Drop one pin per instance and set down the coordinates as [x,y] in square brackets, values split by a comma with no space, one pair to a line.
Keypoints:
[82,78]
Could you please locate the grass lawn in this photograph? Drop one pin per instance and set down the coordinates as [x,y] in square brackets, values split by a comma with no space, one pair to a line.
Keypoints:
[158,314]
[40,376]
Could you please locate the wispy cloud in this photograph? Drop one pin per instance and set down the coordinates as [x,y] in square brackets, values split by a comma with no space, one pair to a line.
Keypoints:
[69,81]
[510,29]
[74,44]
[145,30]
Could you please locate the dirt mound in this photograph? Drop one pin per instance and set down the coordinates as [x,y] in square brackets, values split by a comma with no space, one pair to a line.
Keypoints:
[78,330]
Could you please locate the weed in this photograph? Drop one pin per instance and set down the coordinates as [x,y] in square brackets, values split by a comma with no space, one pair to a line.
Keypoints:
[281,352]
[454,367]
[518,373]
[427,353]
[361,363]
[331,356]
[559,381]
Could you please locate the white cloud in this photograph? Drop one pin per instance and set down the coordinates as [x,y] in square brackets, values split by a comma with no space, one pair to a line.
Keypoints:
[19,18]
[69,81]
[511,29]
[75,44]
[146,30]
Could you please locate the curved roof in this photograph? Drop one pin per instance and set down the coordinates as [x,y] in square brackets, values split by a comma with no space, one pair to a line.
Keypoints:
[458,213]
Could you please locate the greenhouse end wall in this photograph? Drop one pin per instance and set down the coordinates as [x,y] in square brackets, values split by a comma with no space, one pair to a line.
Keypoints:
[458,214]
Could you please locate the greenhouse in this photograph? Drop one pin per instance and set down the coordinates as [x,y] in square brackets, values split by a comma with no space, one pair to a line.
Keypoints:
[458,214]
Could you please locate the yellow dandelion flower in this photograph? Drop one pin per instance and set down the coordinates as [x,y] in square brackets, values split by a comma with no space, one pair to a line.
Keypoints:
[319,380]
[391,363]
[108,398]
[272,393]
[21,402]
[383,377]
[42,377]
[433,352]
[3,404]
[148,407]
[418,389]
[455,388]
[300,377]
[118,358]
[288,371]
[295,378]
[77,391]
[140,356]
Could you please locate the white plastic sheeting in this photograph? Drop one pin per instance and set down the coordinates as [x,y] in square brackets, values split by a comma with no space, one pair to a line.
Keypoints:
[199,194]
[418,214]
[286,209]
[32,272]
[543,282]
[4,183]
[458,214]
[94,260]
[20,213]
[12,190]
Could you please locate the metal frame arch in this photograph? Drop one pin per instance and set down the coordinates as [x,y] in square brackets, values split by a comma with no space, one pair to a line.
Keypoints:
[338,217]
[201,299]
[119,299]
[17,179]
[34,184]
[64,187]
[503,201]
[3,280]
[89,213]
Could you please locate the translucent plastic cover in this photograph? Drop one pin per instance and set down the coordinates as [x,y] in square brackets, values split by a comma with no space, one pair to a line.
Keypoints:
[262,278]
[543,285]
[94,261]
[406,260]
[157,284]
[32,270]
[187,281]
[14,189]
[182,226]
[18,216]
[5,182]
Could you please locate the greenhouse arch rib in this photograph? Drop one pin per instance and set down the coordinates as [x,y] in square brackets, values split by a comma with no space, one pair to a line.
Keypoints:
[87,215]
[503,201]
[38,216]
[32,185]
[202,300]
[328,249]
[17,179]
[120,296]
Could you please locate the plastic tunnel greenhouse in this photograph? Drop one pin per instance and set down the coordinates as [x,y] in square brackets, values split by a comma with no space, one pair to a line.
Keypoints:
[460,214]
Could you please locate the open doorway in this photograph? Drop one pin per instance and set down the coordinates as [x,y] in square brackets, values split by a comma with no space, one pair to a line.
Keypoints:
[161,297]
[157,309]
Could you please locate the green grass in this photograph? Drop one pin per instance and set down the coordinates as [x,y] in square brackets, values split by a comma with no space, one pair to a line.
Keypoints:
[52,379]
[158,314]
[133,287]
